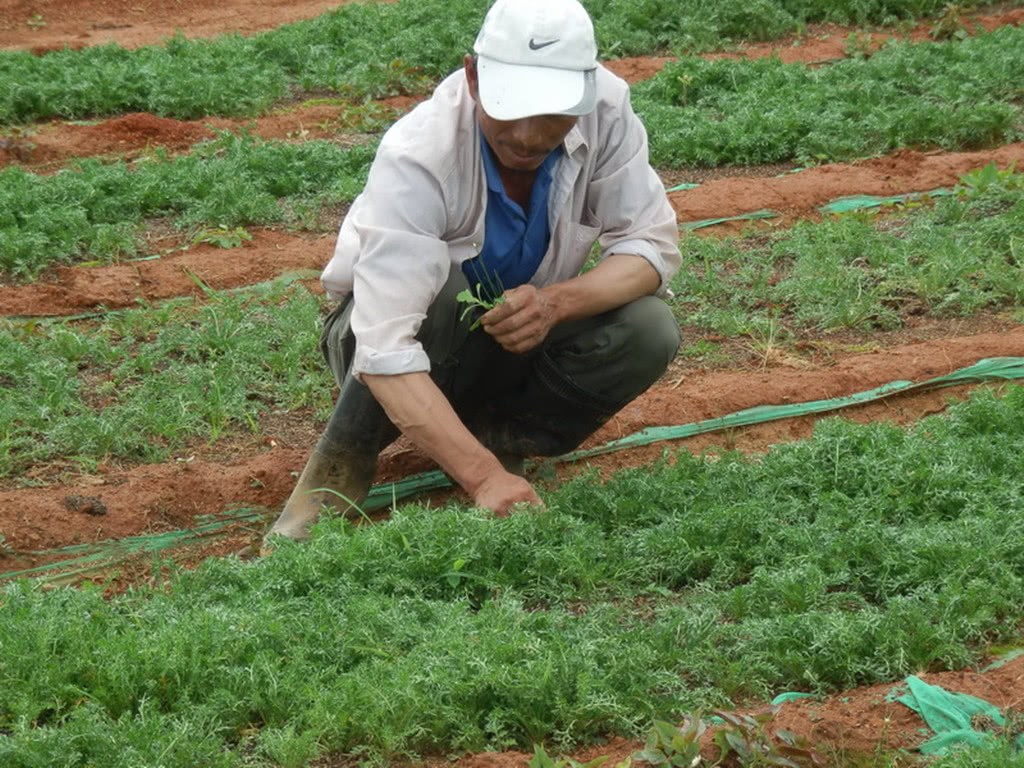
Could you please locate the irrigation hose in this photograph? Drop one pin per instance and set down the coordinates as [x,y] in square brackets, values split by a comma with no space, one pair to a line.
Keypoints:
[837,206]
[86,558]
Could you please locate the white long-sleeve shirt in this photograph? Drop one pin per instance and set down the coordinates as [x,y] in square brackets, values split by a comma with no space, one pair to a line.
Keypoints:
[422,210]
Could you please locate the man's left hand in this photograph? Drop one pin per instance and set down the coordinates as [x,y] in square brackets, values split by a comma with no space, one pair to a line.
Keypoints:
[522,320]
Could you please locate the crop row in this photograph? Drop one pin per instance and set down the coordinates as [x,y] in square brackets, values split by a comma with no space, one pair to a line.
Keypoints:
[956,95]
[96,211]
[861,555]
[145,382]
[371,50]
[962,254]
[953,95]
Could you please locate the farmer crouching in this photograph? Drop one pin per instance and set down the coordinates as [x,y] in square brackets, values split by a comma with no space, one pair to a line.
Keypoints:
[500,183]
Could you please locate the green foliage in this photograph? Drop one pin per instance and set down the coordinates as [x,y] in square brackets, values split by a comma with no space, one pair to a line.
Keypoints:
[862,555]
[670,746]
[746,737]
[223,237]
[862,271]
[361,50]
[541,759]
[477,300]
[143,383]
[1004,752]
[952,95]
[371,50]
[95,211]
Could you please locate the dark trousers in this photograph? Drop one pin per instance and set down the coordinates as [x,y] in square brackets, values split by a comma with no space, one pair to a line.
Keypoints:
[542,403]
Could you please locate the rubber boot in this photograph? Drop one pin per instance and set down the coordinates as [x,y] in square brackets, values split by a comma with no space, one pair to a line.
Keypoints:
[339,480]
[341,468]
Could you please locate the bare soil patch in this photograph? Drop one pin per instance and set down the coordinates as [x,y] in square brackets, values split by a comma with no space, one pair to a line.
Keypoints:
[50,25]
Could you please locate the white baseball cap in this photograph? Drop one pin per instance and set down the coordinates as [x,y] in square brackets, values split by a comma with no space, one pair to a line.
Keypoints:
[536,57]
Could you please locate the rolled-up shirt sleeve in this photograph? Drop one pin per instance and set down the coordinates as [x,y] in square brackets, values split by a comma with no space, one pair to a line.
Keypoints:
[400,265]
[628,199]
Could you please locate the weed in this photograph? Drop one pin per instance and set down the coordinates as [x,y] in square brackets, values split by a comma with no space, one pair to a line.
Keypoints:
[950,25]
[223,236]
[976,183]
[670,746]
[541,759]
[859,45]
[708,113]
[746,737]
[488,293]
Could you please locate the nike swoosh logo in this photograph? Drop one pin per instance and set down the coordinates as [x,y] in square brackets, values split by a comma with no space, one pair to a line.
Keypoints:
[535,46]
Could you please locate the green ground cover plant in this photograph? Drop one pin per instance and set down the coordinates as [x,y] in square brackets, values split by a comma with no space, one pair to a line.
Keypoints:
[954,95]
[861,555]
[1001,754]
[96,211]
[633,28]
[142,383]
[369,50]
[863,271]
[139,384]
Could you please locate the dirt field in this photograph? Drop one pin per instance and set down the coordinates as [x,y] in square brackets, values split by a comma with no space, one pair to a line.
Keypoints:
[259,472]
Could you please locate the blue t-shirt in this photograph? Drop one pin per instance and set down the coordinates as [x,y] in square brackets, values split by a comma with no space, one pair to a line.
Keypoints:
[515,240]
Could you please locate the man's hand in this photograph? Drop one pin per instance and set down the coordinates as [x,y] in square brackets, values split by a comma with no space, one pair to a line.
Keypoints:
[502,491]
[522,320]
[527,314]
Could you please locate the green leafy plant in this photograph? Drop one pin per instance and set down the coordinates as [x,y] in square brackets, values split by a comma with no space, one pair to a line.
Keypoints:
[476,301]
[673,746]
[487,294]
[541,759]
[223,236]
[979,181]
[746,737]
[950,25]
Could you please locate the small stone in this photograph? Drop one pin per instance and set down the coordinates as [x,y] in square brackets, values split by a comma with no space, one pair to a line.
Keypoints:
[89,505]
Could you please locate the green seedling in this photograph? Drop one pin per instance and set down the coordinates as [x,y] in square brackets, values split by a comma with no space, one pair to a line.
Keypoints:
[541,759]
[476,301]
[673,746]
[223,237]
[747,738]
[977,182]
[486,296]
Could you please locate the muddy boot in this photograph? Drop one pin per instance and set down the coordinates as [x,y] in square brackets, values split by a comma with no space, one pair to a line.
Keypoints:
[339,480]
[340,471]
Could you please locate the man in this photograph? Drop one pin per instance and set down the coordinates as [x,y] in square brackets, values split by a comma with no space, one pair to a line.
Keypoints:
[500,183]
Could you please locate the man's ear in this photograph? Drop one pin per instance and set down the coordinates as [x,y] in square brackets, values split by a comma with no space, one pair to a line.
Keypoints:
[469,65]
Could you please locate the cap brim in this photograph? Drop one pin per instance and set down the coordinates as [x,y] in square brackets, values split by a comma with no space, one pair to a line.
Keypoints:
[512,91]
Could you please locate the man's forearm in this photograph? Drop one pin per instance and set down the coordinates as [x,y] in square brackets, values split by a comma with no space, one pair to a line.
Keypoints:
[618,280]
[420,410]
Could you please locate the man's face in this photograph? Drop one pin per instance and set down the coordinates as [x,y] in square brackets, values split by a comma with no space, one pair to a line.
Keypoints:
[519,145]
